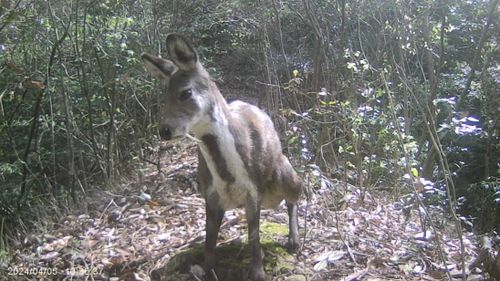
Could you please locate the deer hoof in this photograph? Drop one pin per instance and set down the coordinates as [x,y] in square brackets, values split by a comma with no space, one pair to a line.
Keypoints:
[257,275]
[292,245]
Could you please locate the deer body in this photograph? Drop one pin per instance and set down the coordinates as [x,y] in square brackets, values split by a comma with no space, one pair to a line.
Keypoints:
[240,158]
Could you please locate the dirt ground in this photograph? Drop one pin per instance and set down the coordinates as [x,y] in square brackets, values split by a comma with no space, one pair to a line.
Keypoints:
[152,228]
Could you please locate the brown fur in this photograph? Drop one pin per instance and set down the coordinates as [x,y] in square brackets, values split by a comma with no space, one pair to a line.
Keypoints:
[240,158]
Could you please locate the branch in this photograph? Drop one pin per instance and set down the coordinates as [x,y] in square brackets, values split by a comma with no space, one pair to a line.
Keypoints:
[8,15]
[477,53]
[34,121]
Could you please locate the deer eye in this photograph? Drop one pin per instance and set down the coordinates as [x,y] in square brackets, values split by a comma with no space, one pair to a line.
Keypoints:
[185,95]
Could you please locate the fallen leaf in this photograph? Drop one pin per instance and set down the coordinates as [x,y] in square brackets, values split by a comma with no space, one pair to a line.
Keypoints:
[321,265]
[154,204]
[33,84]
[197,271]
[49,256]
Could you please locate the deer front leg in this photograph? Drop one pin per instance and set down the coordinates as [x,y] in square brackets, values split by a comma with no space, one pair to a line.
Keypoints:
[253,218]
[214,216]
[293,226]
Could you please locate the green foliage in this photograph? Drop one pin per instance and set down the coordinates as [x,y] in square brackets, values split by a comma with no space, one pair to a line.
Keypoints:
[74,104]
[352,79]
[480,205]
[393,74]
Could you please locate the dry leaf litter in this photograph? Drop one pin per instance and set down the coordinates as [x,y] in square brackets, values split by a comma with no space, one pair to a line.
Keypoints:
[134,232]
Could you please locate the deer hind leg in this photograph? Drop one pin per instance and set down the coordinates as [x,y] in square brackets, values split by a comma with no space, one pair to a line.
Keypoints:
[252,211]
[214,215]
[292,186]
[293,227]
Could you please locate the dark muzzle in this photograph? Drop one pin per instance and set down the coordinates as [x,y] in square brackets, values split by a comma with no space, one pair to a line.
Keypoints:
[165,133]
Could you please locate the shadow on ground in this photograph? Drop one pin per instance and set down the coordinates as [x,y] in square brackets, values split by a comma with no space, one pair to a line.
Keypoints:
[233,261]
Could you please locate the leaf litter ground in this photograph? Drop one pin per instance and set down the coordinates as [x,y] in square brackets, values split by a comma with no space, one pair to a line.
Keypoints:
[152,228]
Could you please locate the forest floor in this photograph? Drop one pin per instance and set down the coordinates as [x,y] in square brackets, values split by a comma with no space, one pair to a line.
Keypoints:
[153,229]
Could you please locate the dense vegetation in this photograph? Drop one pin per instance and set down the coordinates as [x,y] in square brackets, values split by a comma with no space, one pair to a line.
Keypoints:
[400,95]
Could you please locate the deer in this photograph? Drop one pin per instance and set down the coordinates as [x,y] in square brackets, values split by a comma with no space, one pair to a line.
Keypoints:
[241,163]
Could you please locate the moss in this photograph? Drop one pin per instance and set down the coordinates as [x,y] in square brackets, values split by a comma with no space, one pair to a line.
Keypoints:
[270,230]
[182,261]
[277,259]
[234,258]
[235,255]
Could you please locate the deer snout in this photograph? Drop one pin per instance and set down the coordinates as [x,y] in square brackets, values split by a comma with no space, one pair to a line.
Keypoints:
[165,133]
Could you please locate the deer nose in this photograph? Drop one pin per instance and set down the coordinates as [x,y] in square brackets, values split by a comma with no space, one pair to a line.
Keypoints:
[165,133]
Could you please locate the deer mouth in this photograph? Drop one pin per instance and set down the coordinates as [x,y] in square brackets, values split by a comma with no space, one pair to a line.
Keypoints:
[166,134]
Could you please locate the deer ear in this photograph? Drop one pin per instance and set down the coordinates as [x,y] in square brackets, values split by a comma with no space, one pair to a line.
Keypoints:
[181,52]
[158,67]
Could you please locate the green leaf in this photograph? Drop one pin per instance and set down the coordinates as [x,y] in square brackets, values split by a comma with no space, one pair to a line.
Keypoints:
[414,172]
[292,140]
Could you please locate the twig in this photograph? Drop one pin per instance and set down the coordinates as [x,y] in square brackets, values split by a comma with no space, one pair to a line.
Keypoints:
[415,191]
[477,53]
[107,207]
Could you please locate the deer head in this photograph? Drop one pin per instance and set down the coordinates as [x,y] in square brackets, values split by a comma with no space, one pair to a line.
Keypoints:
[187,96]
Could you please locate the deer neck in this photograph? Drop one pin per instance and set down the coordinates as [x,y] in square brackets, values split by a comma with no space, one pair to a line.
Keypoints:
[215,121]
[218,144]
